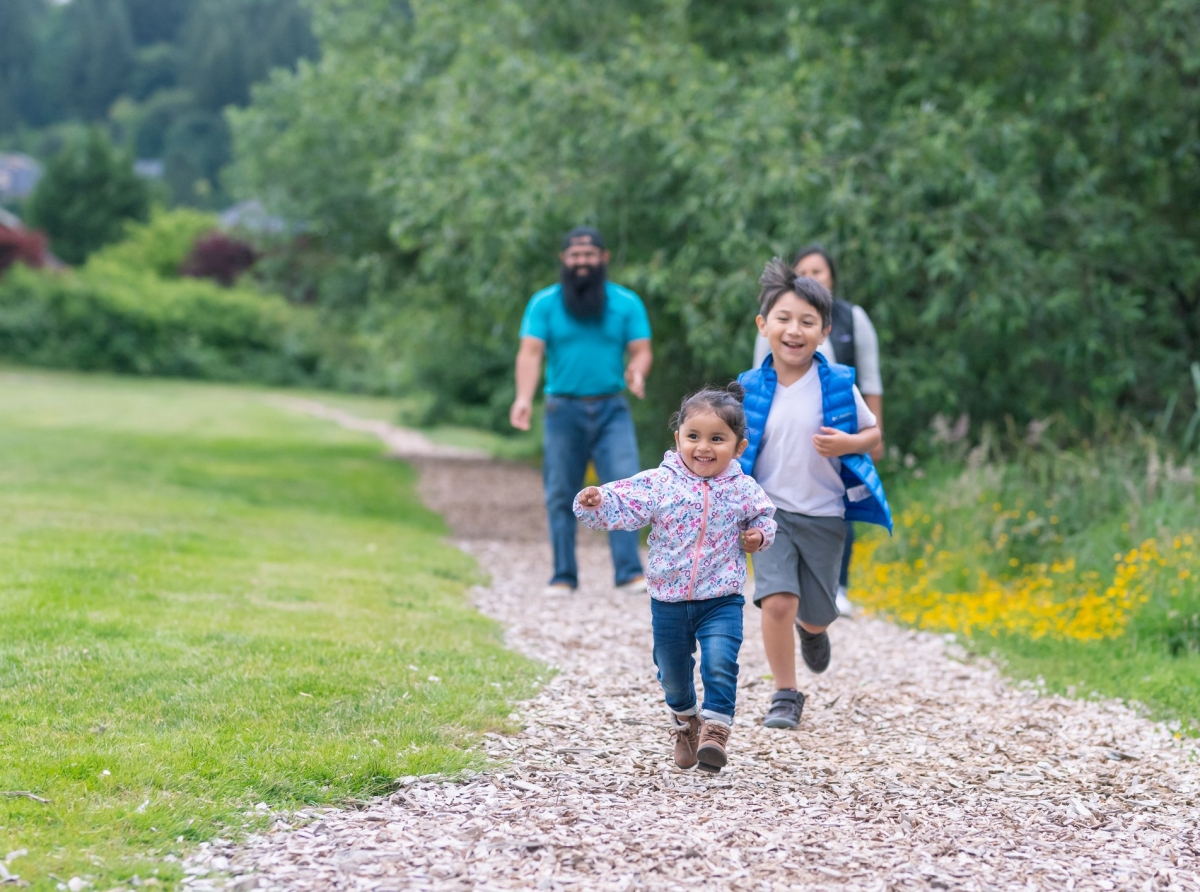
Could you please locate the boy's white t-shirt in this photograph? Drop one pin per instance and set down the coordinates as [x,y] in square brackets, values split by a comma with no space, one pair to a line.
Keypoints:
[789,468]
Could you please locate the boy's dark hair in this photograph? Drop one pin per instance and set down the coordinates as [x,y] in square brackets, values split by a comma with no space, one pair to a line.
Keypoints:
[778,279]
[817,249]
[725,403]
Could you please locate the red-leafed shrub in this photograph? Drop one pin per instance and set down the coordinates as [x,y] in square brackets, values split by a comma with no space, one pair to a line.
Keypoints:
[24,245]
[221,258]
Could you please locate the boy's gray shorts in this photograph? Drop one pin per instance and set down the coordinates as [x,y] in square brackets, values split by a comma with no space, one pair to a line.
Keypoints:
[804,560]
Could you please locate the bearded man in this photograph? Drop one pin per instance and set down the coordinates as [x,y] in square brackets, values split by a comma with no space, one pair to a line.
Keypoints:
[595,337]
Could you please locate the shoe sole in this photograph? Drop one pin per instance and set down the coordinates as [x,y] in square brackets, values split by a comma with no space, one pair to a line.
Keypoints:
[711,759]
[780,724]
[708,769]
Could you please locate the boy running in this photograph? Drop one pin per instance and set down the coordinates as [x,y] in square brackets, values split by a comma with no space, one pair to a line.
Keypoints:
[809,433]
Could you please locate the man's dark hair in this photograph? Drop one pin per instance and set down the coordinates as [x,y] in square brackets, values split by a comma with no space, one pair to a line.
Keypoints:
[778,279]
[580,232]
[725,403]
[817,249]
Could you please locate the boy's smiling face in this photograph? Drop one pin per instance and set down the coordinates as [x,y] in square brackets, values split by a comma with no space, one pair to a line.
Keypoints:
[793,329]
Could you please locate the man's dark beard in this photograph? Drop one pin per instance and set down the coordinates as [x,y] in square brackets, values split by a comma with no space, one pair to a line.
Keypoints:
[584,295]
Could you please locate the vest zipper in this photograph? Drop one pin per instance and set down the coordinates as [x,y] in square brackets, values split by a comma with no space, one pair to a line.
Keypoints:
[699,543]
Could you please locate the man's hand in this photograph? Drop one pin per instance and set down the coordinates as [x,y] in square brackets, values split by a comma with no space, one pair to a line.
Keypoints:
[833,443]
[752,541]
[520,415]
[636,382]
[640,359]
[591,497]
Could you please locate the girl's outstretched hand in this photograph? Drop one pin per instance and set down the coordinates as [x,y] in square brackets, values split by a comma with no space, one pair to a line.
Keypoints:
[590,497]
[752,541]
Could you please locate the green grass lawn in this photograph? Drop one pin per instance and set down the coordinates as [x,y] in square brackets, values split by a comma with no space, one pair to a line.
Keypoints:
[1167,685]
[207,603]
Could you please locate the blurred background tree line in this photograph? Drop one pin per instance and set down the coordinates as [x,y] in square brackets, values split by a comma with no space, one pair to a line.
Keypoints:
[1010,188]
[156,74]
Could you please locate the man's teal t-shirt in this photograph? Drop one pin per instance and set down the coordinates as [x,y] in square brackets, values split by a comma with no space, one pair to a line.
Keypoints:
[585,358]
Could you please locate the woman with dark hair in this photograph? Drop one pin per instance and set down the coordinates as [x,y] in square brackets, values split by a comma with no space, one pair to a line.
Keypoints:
[852,341]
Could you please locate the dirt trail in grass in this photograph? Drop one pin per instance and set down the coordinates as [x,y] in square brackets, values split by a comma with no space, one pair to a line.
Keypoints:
[915,766]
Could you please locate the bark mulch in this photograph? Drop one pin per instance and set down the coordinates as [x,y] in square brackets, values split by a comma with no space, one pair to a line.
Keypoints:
[915,765]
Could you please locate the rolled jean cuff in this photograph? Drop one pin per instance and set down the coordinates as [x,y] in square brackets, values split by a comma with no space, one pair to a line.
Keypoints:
[709,716]
[691,710]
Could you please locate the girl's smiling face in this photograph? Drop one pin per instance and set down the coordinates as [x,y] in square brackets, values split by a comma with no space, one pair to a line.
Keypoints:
[707,444]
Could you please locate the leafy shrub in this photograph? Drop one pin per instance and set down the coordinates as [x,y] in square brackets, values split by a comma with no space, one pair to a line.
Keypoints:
[218,257]
[88,193]
[160,245]
[110,318]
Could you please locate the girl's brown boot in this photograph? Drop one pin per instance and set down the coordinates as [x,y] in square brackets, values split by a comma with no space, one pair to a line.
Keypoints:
[687,738]
[711,752]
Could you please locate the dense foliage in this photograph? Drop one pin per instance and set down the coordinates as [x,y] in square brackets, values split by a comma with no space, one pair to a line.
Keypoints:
[109,318]
[162,244]
[157,72]
[1010,187]
[87,196]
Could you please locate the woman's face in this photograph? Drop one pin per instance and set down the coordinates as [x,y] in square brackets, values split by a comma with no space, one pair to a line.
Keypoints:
[815,267]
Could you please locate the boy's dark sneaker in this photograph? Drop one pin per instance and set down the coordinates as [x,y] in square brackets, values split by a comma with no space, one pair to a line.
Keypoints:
[814,647]
[785,710]
[711,754]
[687,738]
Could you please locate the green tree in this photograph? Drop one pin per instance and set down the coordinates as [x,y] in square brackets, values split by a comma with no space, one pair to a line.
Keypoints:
[95,43]
[86,196]
[230,44]
[157,21]
[196,148]
[19,21]
[1010,187]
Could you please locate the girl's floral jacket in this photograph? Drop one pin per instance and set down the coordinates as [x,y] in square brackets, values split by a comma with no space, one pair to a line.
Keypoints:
[696,525]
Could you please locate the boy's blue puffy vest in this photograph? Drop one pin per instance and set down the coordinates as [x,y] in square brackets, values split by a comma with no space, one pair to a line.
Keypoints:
[865,499]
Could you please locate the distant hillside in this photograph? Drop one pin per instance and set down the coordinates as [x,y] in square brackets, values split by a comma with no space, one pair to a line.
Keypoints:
[156,73]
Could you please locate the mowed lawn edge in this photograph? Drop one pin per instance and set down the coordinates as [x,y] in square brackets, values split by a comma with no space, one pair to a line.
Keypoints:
[207,603]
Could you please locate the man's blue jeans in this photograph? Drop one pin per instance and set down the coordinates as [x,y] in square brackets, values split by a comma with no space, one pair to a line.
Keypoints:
[716,624]
[576,431]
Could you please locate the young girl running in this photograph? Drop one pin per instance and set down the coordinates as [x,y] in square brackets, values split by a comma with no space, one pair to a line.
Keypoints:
[705,516]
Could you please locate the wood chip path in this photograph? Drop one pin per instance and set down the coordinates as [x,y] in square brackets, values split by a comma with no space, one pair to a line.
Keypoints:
[915,765]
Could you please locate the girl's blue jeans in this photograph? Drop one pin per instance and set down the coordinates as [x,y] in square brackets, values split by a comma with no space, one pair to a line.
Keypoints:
[576,431]
[716,625]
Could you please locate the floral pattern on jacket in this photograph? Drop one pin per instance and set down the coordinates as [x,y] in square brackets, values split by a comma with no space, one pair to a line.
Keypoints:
[696,525]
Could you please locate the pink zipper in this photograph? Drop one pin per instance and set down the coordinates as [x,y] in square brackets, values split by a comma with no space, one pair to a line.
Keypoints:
[699,543]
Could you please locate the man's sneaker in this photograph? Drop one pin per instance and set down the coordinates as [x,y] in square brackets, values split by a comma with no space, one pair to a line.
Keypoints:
[555,589]
[686,732]
[635,586]
[711,754]
[785,710]
[814,647]
[844,606]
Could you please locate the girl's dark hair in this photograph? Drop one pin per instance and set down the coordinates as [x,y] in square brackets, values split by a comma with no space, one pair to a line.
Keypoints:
[725,403]
[816,249]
